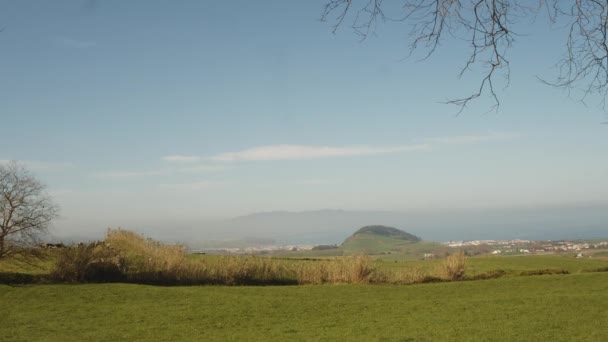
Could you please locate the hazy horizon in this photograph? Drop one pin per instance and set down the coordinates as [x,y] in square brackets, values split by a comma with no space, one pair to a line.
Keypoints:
[332,226]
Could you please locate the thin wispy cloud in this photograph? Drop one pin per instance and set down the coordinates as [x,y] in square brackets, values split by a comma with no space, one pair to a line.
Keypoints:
[293,152]
[73,43]
[296,152]
[181,159]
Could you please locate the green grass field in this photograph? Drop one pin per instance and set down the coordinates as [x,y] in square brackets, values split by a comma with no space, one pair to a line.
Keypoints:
[564,307]
[513,265]
[542,308]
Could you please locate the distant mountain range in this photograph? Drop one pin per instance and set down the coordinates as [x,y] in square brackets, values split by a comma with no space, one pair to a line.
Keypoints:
[334,226]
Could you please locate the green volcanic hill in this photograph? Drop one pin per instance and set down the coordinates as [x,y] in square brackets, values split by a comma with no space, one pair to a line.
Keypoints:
[387,232]
[382,239]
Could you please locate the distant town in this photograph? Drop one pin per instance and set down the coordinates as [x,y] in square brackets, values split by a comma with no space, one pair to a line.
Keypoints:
[256,249]
[518,246]
[515,246]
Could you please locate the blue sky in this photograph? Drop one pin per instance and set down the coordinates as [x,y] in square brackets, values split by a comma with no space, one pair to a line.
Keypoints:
[139,111]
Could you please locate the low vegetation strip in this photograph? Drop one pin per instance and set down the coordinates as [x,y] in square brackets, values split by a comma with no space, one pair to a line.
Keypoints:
[568,307]
[125,256]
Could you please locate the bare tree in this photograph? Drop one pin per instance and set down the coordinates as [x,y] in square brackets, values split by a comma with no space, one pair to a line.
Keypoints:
[486,27]
[26,212]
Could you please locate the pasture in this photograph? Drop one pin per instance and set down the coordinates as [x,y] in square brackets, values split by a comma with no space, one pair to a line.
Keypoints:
[512,265]
[561,307]
[552,307]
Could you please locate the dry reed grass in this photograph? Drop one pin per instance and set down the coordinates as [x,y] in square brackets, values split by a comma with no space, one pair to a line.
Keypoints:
[408,276]
[130,257]
[453,268]
[356,269]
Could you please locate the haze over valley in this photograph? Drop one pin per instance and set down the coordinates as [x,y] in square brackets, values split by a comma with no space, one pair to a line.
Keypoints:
[332,226]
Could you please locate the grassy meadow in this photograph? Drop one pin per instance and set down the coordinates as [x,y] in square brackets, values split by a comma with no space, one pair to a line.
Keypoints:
[69,297]
[512,265]
[553,307]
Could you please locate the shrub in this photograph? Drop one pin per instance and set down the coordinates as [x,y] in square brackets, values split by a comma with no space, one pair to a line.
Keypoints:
[143,259]
[86,262]
[454,266]
[128,256]
[11,278]
[103,271]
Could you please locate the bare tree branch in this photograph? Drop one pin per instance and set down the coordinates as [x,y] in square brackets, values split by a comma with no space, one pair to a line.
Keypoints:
[486,27]
[584,66]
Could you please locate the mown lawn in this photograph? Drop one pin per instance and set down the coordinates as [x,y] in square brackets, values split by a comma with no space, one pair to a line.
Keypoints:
[535,308]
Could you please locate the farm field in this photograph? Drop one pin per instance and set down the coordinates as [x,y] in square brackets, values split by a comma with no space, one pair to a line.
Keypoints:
[552,307]
[512,265]
[516,306]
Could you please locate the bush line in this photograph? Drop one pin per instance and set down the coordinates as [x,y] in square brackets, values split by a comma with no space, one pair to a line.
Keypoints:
[125,256]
